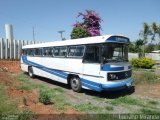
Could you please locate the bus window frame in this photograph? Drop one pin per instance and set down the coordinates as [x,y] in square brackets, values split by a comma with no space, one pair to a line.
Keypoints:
[51,51]
[76,57]
[100,54]
[33,52]
[60,48]
[40,48]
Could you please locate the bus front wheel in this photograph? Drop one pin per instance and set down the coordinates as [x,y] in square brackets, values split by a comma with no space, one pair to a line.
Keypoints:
[75,84]
[30,72]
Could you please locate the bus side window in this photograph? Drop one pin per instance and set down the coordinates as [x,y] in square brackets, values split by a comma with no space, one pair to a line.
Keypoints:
[63,51]
[30,52]
[60,51]
[92,54]
[48,51]
[38,51]
[76,51]
[71,51]
[79,51]
[56,51]
[24,51]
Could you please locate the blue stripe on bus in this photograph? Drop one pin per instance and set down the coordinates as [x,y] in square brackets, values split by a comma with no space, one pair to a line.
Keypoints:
[107,67]
[55,72]
[86,83]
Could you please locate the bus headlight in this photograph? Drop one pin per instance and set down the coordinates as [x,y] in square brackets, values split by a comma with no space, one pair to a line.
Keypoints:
[113,76]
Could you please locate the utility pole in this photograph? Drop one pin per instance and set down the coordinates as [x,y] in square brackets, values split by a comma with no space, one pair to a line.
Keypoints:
[61,32]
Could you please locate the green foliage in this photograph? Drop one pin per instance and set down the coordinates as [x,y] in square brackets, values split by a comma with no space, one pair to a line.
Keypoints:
[86,107]
[146,63]
[135,47]
[79,32]
[45,96]
[109,108]
[142,77]
[26,115]
[7,105]
[26,84]
[152,102]
[149,48]
[149,111]
[126,100]
[24,87]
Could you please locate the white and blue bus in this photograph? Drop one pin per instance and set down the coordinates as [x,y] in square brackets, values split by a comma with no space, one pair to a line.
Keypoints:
[96,63]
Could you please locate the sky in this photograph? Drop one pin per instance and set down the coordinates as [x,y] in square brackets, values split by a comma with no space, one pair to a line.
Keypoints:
[50,16]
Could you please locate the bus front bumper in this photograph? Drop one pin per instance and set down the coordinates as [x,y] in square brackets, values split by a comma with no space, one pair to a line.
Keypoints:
[117,85]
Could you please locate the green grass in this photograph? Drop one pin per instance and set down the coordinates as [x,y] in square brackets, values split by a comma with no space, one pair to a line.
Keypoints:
[97,98]
[126,101]
[151,102]
[149,111]
[109,108]
[26,115]
[88,107]
[60,102]
[7,105]
[24,87]
[142,77]
[26,84]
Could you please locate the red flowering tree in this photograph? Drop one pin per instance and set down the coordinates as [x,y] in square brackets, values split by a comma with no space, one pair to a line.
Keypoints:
[89,27]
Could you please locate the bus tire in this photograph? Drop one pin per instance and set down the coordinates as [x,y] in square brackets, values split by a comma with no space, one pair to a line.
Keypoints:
[75,84]
[30,72]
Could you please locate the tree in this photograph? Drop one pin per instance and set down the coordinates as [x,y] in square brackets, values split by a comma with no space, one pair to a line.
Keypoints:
[150,47]
[154,31]
[145,34]
[79,32]
[159,33]
[91,23]
[135,47]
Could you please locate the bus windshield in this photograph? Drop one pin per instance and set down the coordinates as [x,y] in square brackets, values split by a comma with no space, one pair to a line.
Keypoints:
[115,52]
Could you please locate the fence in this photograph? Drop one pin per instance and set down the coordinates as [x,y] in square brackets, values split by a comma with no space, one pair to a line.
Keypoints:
[153,56]
[12,49]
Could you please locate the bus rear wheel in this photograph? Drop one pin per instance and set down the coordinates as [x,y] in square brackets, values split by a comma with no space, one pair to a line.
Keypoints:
[75,84]
[30,72]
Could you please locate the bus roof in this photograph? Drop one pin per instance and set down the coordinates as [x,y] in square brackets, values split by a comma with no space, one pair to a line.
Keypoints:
[82,41]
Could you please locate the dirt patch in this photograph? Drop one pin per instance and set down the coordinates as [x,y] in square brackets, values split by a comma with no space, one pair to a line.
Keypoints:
[7,80]
[10,66]
[148,91]
[25,99]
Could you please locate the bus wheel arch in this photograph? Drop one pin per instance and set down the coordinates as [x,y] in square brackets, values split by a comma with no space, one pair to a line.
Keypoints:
[30,71]
[74,82]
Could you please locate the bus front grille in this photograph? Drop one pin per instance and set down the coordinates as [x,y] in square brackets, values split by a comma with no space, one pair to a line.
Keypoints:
[119,75]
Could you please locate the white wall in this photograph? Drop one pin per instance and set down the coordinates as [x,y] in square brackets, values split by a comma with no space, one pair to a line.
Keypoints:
[153,56]
[12,50]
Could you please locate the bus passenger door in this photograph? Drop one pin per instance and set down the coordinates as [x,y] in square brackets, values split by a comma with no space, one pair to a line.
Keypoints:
[91,62]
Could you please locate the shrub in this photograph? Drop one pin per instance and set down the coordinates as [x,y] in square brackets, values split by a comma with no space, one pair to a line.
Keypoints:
[143,63]
[45,97]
